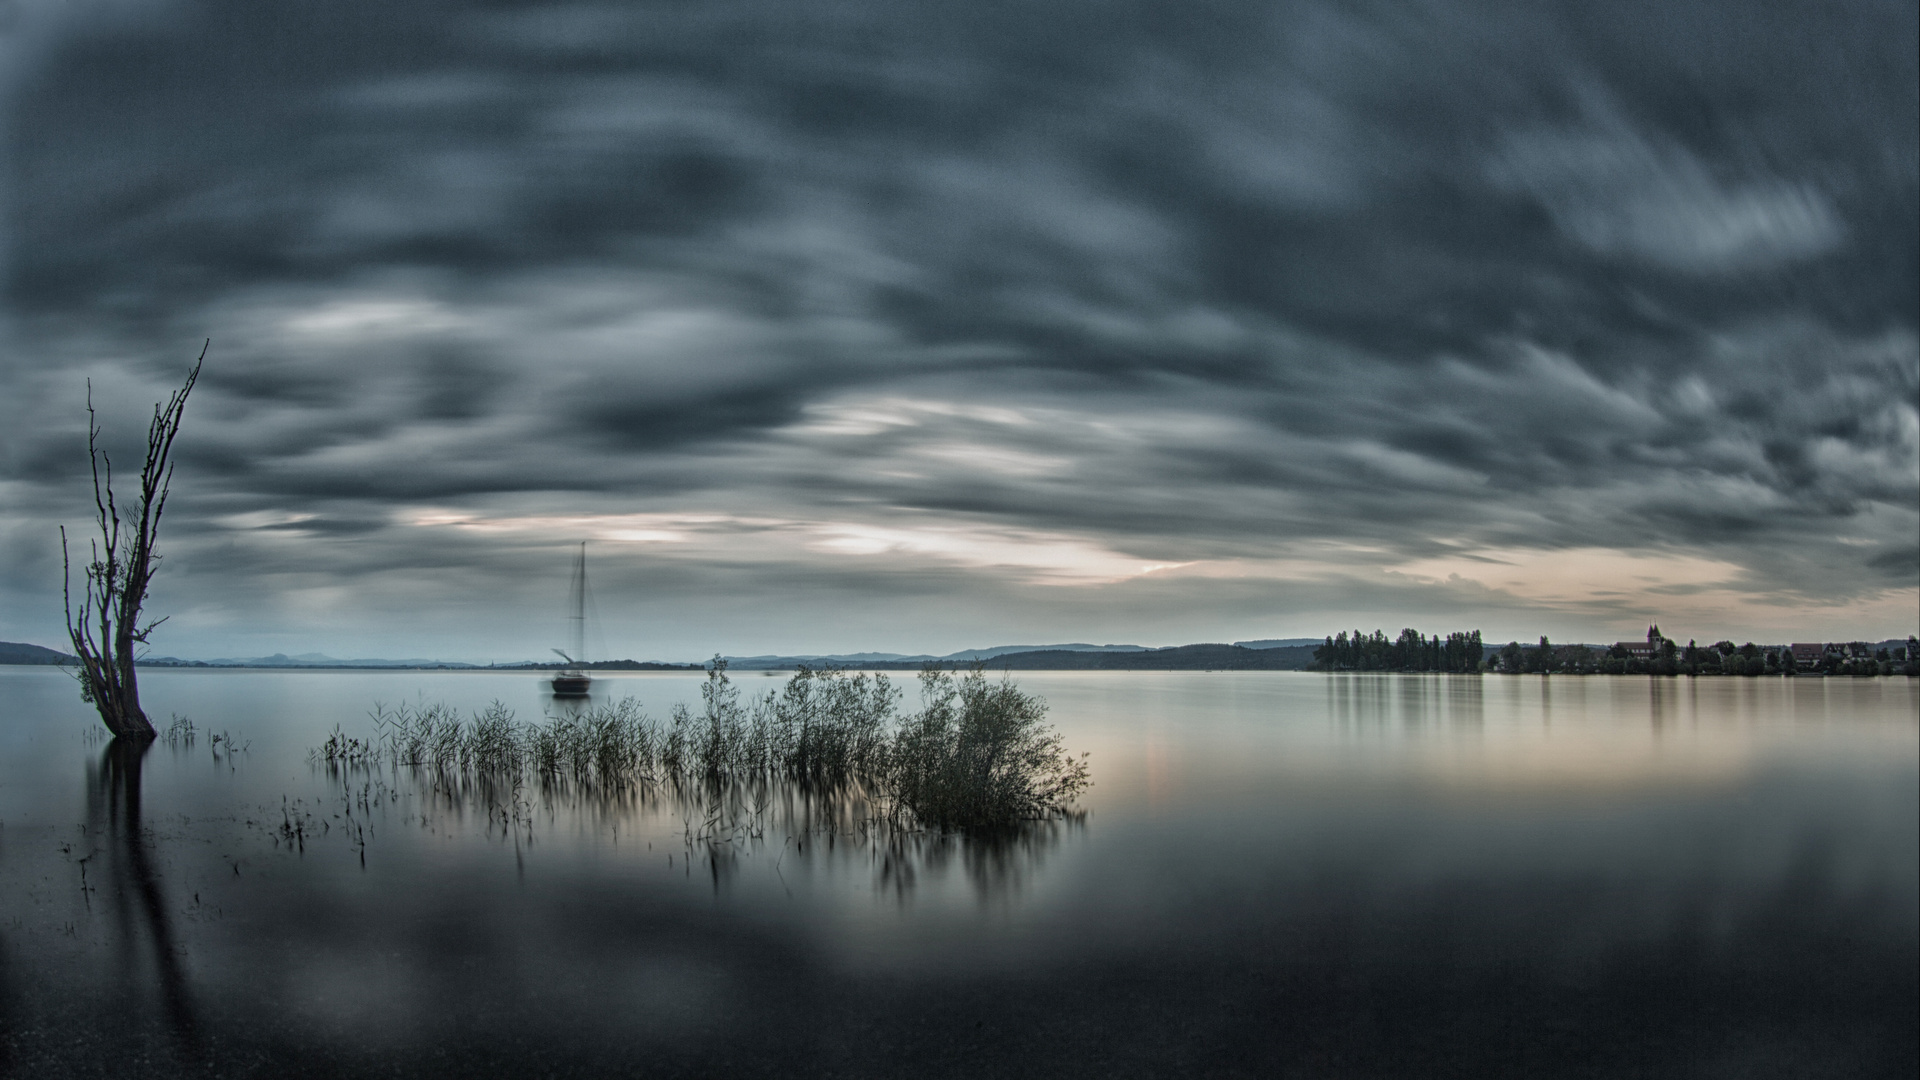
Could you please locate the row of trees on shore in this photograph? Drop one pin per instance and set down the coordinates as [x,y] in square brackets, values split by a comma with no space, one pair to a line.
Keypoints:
[1411,651]
[1464,652]
[1721,658]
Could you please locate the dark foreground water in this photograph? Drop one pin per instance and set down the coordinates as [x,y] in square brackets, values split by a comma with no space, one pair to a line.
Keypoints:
[1280,874]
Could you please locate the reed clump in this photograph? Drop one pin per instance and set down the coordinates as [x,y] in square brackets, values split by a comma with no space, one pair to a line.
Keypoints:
[610,744]
[343,751]
[180,732]
[979,756]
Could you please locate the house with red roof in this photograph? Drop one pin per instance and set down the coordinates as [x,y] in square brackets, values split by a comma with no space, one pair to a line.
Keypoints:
[1807,655]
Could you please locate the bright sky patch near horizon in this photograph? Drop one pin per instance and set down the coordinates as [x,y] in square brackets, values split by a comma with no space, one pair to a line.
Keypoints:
[853,326]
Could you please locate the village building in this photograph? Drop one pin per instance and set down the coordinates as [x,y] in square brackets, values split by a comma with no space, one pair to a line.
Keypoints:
[1808,655]
[1643,650]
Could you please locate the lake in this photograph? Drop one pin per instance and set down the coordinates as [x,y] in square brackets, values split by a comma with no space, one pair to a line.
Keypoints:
[1277,874]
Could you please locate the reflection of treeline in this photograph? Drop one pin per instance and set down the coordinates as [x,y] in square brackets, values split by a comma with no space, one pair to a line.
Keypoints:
[978,755]
[1411,651]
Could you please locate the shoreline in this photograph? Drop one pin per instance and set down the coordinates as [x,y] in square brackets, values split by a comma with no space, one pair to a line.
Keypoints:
[895,670]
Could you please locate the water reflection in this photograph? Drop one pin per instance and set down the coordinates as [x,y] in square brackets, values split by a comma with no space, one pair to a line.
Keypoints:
[1466,702]
[129,886]
[9,996]
[1359,702]
[1413,703]
[724,827]
[1375,703]
[1317,881]
[1659,703]
[998,867]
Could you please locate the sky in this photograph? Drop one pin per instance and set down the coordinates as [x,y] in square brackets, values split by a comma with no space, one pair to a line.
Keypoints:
[915,327]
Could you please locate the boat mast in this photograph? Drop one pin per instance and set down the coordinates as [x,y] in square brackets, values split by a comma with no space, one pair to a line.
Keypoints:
[580,607]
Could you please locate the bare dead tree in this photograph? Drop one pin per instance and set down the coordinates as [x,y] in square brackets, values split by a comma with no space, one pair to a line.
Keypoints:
[108,629]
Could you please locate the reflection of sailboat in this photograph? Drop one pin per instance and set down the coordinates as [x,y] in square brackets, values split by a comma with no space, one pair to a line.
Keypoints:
[573,680]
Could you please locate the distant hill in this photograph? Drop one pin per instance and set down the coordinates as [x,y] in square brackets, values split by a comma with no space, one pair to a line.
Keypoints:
[1073,656]
[1076,647]
[1281,643]
[1092,658]
[304,660]
[18,652]
[597,665]
[1208,657]
[914,660]
[772,661]
[323,662]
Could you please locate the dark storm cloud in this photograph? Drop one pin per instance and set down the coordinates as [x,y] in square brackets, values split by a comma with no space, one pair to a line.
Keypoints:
[1402,279]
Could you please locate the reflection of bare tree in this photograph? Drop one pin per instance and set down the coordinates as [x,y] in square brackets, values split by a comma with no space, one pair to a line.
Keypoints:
[132,886]
[8,993]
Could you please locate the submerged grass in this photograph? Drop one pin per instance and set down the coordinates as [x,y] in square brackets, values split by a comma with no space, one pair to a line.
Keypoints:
[977,757]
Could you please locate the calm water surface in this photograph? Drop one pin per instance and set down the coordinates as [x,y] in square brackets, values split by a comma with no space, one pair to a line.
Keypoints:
[1279,874]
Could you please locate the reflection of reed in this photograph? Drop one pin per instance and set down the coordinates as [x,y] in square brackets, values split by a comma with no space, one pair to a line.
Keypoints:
[133,885]
[996,866]
[721,821]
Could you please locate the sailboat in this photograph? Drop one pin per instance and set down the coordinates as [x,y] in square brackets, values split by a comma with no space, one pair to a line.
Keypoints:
[573,680]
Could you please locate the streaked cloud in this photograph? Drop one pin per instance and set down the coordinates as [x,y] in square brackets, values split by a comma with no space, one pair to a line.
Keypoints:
[1026,556]
[1620,195]
[842,326]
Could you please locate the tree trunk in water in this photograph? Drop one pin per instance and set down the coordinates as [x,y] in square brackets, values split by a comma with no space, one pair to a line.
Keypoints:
[133,720]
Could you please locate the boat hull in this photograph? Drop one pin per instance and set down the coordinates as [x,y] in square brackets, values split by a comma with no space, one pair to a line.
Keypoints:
[571,684]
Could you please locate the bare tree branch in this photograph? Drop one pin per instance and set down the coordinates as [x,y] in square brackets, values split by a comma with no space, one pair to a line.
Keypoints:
[107,629]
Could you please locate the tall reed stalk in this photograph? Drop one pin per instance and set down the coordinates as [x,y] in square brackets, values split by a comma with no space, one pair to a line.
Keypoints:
[979,756]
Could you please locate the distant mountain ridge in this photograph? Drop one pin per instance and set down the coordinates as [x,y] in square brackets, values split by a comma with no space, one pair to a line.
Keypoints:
[745,663]
[1076,655]
[756,663]
[1205,657]
[304,660]
[323,662]
[1267,654]
[19,652]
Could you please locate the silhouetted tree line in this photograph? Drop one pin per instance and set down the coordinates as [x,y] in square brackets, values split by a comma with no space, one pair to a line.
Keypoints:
[1411,651]
[1545,658]
[1720,658]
